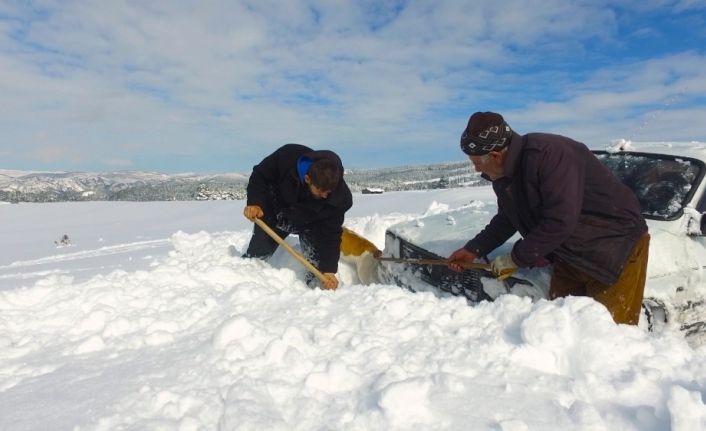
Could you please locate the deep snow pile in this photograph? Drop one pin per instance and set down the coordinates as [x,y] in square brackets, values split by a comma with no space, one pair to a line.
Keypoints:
[196,339]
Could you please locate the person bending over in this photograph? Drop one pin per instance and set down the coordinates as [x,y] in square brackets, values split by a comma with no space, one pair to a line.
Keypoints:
[568,207]
[297,190]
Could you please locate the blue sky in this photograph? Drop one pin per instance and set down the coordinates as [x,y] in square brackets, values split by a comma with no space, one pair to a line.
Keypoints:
[214,86]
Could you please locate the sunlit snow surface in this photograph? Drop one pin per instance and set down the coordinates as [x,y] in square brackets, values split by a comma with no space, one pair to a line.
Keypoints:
[146,322]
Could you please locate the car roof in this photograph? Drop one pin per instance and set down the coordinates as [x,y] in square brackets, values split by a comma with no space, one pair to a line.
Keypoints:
[694,149]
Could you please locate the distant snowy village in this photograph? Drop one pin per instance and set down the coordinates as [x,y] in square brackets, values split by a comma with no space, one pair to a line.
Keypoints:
[21,186]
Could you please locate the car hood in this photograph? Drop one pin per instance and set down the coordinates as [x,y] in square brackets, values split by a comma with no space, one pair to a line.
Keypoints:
[442,233]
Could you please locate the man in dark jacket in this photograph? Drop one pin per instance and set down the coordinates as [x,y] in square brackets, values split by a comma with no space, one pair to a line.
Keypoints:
[568,207]
[301,191]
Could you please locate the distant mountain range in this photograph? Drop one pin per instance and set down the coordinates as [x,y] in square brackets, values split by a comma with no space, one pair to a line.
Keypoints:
[24,186]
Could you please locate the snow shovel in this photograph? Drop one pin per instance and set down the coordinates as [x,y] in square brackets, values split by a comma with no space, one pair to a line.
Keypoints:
[445,262]
[366,256]
[291,251]
[441,262]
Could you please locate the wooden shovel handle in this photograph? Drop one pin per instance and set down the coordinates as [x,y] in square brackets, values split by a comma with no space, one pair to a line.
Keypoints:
[291,251]
[443,262]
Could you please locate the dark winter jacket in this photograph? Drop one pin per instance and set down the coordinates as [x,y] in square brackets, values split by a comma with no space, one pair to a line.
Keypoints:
[566,205]
[275,186]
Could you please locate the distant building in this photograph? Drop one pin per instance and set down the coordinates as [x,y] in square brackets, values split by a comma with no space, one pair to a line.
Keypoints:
[372,191]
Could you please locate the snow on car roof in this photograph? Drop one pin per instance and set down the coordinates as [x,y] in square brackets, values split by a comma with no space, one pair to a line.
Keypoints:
[694,149]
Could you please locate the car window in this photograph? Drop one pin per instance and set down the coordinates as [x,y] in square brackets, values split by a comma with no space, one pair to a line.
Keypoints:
[663,184]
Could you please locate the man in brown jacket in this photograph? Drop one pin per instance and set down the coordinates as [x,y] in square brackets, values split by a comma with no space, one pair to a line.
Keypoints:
[568,207]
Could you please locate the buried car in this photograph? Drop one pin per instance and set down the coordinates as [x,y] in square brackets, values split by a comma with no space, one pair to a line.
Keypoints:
[668,179]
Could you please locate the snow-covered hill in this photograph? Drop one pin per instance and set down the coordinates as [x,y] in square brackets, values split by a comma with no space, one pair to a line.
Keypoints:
[18,186]
[138,186]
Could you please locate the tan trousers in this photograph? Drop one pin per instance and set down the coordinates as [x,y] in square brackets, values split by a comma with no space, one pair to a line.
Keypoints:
[623,299]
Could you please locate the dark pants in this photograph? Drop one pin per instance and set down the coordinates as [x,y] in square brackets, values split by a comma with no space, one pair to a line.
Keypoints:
[623,298]
[262,246]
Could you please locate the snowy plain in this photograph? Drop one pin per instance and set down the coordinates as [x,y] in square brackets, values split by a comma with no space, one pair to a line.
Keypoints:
[146,322]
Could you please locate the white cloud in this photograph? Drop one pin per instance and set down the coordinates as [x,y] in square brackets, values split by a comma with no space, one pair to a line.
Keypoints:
[683,5]
[235,77]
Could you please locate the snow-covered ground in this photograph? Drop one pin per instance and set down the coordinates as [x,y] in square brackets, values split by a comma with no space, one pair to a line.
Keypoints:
[145,322]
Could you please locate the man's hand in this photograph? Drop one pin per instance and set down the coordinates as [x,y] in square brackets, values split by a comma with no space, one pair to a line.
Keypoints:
[461,255]
[331,282]
[251,212]
[503,266]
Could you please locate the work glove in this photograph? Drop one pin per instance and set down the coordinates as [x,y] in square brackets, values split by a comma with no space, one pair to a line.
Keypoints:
[503,266]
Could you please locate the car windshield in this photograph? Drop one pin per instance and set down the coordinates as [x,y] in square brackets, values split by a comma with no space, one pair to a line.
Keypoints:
[662,183]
